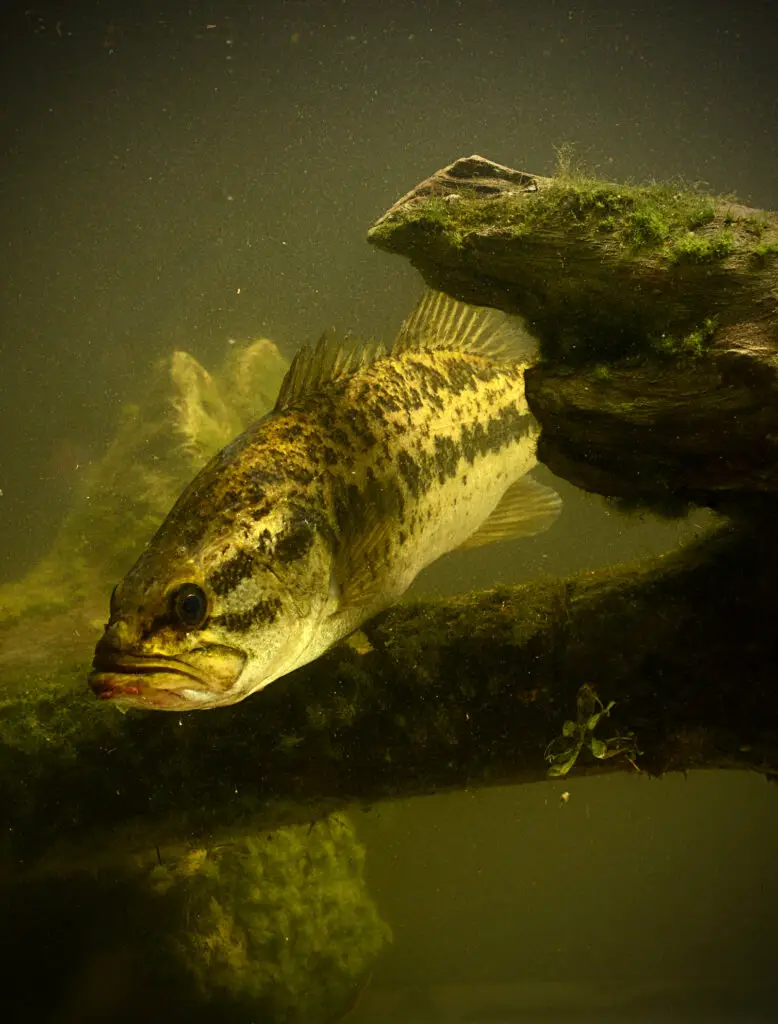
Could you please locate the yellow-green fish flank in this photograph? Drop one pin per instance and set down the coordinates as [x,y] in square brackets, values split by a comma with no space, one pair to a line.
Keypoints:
[372,465]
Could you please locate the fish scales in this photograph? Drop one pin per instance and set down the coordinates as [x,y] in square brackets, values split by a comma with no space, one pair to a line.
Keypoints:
[384,423]
[325,511]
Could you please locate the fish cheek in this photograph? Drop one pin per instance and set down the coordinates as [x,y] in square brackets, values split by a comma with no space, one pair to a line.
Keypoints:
[164,639]
[259,613]
[272,648]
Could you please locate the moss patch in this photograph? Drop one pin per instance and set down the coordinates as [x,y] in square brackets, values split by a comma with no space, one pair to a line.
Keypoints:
[603,273]
[694,248]
[687,347]
[636,216]
[279,922]
[762,252]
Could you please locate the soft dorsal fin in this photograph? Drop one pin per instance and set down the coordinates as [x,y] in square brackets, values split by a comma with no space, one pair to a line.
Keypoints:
[525,509]
[440,322]
[437,322]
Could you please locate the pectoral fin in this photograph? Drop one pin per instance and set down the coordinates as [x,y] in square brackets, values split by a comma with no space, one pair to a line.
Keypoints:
[525,509]
[357,578]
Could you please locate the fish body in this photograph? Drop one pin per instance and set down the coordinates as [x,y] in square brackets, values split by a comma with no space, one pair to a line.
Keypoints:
[372,465]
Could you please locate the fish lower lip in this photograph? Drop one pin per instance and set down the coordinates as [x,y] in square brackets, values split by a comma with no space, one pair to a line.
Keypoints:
[136,692]
[131,680]
[157,686]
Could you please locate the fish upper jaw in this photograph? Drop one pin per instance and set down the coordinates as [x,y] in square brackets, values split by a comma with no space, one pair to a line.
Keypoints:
[201,678]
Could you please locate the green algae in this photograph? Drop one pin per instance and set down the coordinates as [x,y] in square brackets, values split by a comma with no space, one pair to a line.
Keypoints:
[762,252]
[694,248]
[603,273]
[280,922]
[187,415]
[273,925]
[636,217]
[688,347]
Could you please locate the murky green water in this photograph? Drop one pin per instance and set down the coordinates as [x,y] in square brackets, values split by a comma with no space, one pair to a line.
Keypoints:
[636,899]
[196,176]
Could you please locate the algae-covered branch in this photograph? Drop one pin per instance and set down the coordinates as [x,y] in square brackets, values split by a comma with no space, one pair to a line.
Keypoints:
[656,310]
[469,691]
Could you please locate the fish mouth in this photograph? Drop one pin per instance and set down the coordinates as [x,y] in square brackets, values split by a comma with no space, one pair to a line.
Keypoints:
[151,681]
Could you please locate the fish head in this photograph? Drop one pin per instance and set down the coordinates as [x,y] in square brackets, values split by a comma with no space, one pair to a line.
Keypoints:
[200,632]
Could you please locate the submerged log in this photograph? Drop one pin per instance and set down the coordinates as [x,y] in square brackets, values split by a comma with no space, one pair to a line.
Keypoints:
[656,309]
[469,691]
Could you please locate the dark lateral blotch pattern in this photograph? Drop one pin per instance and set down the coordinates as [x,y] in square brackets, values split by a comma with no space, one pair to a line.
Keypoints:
[231,573]
[264,612]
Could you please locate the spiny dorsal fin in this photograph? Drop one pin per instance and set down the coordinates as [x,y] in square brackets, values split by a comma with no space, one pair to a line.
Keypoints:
[331,359]
[438,322]
[526,508]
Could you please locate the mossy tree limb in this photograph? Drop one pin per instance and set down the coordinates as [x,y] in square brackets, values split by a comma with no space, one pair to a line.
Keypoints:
[656,308]
[463,692]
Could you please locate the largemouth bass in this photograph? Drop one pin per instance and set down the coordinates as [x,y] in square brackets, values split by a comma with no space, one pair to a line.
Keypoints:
[372,465]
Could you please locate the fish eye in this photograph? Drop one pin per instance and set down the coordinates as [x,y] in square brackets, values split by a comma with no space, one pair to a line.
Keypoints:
[190,605]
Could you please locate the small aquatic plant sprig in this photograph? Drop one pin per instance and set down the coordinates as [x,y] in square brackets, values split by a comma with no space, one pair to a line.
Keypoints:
[563,751]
